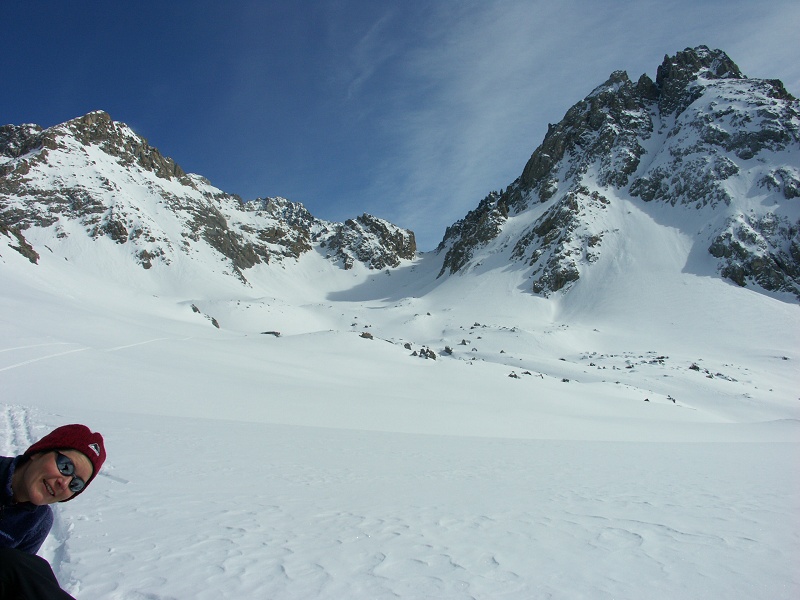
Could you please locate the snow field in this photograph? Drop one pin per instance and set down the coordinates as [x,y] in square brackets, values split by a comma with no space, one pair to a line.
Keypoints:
[320,464]
[204,508]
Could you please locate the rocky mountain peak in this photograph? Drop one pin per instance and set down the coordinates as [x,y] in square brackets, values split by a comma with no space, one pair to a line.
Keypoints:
[692,63]
[701,136]
[97,175]
[676,74]
[117,139]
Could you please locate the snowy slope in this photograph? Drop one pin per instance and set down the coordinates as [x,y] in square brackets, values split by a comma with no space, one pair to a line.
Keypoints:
[320,464]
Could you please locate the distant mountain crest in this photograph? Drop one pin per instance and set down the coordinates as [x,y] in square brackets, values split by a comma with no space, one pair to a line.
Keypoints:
[100,174]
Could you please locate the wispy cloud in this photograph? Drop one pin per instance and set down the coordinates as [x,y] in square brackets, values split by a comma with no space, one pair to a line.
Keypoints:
[473,98]
[369,54]
[475,102]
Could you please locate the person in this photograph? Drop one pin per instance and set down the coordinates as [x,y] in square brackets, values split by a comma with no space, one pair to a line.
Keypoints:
[57,468]
[26,576]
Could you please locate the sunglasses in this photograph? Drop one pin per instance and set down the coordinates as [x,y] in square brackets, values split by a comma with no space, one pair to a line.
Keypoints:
[67,468]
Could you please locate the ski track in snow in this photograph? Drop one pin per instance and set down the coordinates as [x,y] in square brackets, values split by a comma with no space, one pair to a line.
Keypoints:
[123,347]
[66,352]
[31,346]
[16,428]
[40,358]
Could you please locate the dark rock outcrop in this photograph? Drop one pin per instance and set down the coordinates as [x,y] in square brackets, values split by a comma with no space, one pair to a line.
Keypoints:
[23,247]
[372,241]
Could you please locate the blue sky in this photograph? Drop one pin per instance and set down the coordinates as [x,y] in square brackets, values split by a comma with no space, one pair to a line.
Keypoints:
[412,111]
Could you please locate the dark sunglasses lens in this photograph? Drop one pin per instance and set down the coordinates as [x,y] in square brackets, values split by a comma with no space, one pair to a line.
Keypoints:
[76,485]
[67,468]
[64,464]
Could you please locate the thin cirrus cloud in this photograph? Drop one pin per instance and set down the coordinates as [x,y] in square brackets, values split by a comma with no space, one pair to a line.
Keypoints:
[471,99]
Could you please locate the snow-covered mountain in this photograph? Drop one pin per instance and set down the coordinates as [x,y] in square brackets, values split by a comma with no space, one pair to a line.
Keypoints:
[95,177]
[720,150]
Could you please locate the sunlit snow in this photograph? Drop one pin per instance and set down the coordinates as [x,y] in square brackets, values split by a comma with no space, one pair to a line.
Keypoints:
[636,438]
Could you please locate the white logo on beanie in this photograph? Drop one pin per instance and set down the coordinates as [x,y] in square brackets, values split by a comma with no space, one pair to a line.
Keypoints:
[96,448]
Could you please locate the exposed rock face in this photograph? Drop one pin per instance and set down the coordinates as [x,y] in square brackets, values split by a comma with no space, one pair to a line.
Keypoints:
[702,136]
[606,128]
[119,141]
[676,75]
[372,241]
[18,140]
[23,247]
[290,227]
[99,174]
[473,231]
[557,241]
[765,250]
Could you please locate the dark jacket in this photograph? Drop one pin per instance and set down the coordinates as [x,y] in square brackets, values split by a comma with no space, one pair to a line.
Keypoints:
[23,526]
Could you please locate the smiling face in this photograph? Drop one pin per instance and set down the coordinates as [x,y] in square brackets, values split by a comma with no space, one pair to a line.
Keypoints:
[39,481]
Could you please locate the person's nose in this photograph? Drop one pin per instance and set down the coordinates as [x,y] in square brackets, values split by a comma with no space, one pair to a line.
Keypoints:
[62,483]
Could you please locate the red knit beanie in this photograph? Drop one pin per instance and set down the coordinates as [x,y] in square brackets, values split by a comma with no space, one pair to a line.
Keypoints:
[74,437]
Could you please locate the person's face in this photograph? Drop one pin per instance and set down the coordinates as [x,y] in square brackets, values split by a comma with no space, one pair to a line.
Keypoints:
[43,483]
